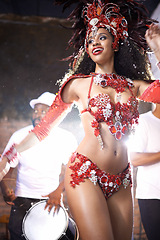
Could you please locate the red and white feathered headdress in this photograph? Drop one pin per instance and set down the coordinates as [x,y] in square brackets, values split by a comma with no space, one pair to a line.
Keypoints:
[107,16]
[122,18]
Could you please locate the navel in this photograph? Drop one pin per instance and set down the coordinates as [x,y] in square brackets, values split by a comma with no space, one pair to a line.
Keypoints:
[115,153]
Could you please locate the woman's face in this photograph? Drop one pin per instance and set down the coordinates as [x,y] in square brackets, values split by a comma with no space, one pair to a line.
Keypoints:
[100,47]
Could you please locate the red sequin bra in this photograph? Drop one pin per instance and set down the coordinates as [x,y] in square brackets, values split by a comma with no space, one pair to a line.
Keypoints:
[119,117]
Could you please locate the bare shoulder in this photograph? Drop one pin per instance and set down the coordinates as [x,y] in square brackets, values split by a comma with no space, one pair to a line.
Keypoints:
[140,86]
[138,83]
[73,89]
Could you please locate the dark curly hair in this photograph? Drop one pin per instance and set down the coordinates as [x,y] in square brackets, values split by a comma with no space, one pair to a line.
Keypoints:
[129,61]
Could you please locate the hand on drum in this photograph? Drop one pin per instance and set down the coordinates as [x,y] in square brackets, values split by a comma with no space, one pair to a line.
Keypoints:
[7,186]
[9,197]
[54,199]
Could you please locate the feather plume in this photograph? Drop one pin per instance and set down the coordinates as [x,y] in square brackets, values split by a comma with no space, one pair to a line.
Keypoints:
[134,12]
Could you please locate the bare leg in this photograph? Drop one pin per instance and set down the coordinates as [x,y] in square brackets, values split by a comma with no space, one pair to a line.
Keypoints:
[97,218]
[121,213]
[89,209]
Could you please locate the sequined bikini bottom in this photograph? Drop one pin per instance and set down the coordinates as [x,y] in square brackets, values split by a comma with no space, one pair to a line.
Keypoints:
[109,184]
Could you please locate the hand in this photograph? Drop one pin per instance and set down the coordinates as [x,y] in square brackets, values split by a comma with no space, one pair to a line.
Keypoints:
[153,37]
[54,199]
[9,196]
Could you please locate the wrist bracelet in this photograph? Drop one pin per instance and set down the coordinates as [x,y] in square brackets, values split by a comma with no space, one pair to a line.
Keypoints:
[13,156]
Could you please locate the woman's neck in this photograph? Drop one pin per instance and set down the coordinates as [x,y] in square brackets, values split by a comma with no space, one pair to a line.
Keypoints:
[104,69]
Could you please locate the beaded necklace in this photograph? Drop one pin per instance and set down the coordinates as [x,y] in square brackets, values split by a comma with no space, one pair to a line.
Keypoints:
[119,83]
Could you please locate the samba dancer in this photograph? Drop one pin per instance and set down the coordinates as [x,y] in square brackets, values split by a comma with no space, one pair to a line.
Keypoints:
[98,179]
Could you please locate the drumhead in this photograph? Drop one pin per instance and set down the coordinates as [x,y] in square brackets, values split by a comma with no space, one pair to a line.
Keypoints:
[39,224]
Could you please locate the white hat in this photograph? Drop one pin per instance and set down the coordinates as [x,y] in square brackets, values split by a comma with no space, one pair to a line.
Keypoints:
[46,98]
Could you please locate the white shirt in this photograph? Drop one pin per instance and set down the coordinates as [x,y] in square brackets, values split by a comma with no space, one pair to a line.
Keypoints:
[39,167]
[147,140]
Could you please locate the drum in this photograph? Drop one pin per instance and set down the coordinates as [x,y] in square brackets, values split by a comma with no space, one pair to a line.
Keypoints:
[39,224]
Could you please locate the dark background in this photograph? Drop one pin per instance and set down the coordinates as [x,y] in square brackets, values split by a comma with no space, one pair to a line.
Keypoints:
[32,44]
[31,50]
[47,7]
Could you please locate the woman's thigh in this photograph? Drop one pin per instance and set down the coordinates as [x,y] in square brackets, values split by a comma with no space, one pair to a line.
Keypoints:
[121,212]
[89,209]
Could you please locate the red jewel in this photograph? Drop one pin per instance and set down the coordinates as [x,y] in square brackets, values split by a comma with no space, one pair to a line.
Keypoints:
[118,182]
[114,76]
[112,129]
[124,130]
[118,135]
[103,83]
[96,132]
[94,124]
[104,179]
[72,159]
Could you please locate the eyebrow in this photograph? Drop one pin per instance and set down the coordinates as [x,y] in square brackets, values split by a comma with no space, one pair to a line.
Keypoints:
[98,34]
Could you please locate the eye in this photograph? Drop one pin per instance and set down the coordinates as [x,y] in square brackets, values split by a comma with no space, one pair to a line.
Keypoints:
[43,112]
[35,111]
[103,37]
[90,41]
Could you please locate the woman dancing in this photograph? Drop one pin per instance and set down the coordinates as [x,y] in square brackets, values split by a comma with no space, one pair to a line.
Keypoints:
[98,179]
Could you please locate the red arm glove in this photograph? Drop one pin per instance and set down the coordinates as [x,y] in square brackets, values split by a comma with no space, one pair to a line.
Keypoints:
[57,111]
[152,93]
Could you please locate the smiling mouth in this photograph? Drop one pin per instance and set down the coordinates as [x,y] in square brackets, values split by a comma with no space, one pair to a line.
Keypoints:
[97,51]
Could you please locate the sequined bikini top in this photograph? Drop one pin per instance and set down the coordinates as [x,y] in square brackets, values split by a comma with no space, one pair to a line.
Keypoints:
[119,117]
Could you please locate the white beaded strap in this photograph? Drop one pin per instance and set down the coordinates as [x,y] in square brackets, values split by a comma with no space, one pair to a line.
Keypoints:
[12,156]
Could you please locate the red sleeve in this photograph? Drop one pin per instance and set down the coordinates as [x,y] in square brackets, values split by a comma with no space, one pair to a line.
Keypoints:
[57,111]
[152,93]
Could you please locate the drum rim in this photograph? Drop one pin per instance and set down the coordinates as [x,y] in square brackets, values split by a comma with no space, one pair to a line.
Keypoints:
[34,205]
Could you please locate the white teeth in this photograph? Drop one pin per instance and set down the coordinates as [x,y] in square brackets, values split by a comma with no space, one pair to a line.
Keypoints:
[97,49]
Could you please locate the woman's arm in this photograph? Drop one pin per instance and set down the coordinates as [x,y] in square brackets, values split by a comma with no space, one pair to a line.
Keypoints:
[29,141]
[56,113]
[146,91]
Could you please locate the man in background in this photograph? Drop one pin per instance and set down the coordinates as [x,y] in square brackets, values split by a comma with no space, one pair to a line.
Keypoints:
[145,155]
[38,168]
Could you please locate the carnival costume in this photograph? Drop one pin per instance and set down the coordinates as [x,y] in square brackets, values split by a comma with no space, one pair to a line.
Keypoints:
[109,184]
[119,117]
[125,20]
